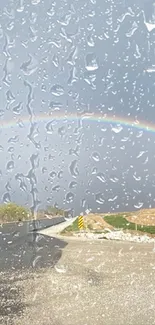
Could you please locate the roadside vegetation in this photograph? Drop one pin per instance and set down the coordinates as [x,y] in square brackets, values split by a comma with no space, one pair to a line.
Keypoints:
[13,212]
[51,210]
[120,222]
[97,224]
[72,228]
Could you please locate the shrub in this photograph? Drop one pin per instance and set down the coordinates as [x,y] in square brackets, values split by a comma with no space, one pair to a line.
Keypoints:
[13,212]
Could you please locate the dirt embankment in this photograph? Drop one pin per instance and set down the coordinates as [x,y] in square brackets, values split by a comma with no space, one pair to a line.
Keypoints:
[95,222]
[144,217]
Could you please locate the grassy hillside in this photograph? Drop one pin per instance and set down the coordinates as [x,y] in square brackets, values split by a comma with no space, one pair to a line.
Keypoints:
[120,222]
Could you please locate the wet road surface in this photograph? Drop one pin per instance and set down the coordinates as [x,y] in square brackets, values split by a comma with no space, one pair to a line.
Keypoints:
[21,247]
[94,282]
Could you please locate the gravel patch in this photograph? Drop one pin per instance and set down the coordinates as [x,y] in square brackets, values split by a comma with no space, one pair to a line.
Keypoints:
[117,235]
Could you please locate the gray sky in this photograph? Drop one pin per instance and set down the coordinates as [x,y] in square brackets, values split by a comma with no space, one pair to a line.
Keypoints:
[82,56]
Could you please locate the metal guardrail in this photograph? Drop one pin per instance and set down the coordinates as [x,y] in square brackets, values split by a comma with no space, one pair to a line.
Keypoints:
[35,225]
[20,229]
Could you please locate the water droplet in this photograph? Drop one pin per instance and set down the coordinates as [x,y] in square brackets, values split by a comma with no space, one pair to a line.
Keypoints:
[43,88]
[1,32]
[83,202]
[141,154]
[21,6]
[18,108]
[61,131]
[138,205]
[56,188]
[72,56]
[60,174]
[35,2]
[72,185]
[113,198]
[20,124]
[99,198]
[91,62]
[140,133]
[132,29]
[52,174]
[16,234]
[72,76]
[114,179]
[55,106]
[33,133]
[10,13]
[60,269]
[96,156]
[23,186]
[90,41]
[30,66]
[36,261]
[13,139]
[8,69]
[69,197]
[49,127]
[10,25]
[73,168]
[6,198]
[51,12]
[55,61]
[8,186]
[65,19]
[49,200]
[10,98]
[137,178]
[33,17]
[44,170]
[94,171]
[57,90]
[101,177]
[1,112]
[10,166]
[117,129]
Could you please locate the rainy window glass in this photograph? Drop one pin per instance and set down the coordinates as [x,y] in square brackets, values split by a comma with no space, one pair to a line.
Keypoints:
[77,176]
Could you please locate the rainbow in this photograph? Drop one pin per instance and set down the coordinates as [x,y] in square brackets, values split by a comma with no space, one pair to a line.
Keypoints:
[20,121]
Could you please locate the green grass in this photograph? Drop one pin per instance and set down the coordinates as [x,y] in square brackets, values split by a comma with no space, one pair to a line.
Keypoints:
[120,222]
[72,227]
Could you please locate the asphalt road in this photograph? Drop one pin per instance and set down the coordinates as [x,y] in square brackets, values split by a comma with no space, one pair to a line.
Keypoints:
[23,251]
[21,247]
